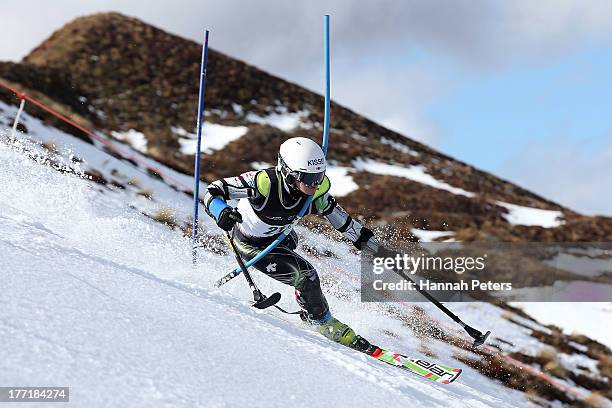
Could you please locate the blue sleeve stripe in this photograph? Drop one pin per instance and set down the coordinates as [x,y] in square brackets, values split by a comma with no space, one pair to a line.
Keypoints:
[216,206]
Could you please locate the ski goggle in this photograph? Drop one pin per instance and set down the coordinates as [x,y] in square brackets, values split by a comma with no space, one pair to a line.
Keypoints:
[310,179]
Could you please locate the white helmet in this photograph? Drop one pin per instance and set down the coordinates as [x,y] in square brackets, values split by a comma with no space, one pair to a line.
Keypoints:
[301,159]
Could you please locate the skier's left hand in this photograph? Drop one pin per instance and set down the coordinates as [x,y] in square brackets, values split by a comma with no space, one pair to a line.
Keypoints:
[366,240]
[228,218]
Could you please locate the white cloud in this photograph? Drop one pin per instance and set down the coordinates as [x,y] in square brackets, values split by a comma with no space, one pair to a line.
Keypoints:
[540,30]
[285,37]
[548,19]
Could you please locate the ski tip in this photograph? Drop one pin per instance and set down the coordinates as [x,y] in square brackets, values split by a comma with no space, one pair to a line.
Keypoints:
[458,371]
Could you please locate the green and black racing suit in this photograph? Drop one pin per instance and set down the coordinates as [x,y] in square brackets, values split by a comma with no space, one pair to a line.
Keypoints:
[268,208]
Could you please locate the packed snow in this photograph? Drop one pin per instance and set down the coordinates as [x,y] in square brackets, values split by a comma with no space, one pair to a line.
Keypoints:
[214,137]
[358,137]
[430,236]
[342,183]
[520,215]
[99,298]
[398,146]
[283,119]
[109,305]
[574,317]
[134,138]
[135,179]
[414,173]
[259,165]
[575,361]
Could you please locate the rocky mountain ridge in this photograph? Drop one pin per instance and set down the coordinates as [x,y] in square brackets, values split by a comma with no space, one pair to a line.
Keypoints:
[117,74]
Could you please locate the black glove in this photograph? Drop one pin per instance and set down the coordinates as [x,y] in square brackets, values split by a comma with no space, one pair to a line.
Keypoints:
[366,240]
[228,218]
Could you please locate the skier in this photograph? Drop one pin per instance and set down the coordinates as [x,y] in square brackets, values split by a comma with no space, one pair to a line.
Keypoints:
[269,202]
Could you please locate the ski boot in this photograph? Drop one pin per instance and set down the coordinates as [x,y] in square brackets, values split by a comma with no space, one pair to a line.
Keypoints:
[339,332]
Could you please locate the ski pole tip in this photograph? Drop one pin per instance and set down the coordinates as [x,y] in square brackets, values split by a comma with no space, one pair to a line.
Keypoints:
[480,340]
[265,302]
[477,335]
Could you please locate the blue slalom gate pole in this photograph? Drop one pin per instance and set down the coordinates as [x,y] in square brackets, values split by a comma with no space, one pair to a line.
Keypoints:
[327,87]
[196,171]
[278,240]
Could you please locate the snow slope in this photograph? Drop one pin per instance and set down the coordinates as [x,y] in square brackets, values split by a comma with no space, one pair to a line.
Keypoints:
[99,298]
[217,136]
[520,215]
[572,318]
[414,173]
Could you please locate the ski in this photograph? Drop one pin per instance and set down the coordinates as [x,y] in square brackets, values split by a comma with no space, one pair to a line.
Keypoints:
[432,371]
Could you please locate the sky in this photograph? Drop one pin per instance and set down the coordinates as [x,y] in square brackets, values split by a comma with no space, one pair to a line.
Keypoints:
[518,88]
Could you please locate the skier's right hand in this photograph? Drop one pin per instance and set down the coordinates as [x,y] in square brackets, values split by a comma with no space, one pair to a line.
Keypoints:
[228,218]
